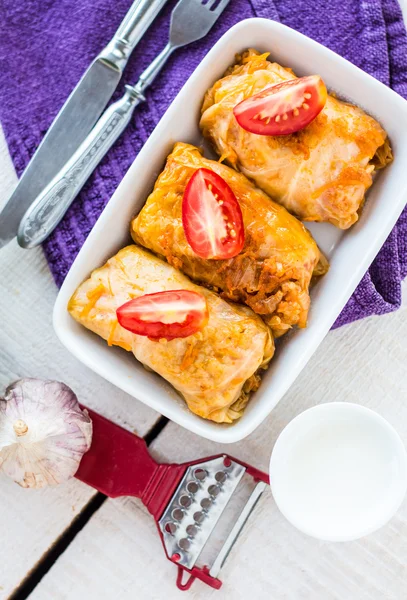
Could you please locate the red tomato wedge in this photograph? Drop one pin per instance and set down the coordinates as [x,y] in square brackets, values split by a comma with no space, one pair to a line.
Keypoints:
[169,315]
[211,217]
[283,108]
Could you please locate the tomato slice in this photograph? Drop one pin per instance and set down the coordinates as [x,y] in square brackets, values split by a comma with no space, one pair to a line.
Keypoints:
[169,315]
[283,108]
[211,216]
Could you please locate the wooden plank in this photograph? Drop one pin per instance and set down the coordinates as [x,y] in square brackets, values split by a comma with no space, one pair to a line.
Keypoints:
[119,555]
[31,521]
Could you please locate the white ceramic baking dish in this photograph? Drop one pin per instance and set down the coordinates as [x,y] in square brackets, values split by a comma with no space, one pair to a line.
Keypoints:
[350,253]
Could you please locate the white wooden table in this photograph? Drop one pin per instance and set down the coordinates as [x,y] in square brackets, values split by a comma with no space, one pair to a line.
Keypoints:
[116,553]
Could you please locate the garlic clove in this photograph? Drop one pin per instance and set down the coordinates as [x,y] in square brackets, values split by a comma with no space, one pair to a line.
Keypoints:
[43,433]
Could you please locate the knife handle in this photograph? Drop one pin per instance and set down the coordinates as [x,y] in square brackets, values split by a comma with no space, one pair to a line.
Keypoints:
[133,27]
[50,206]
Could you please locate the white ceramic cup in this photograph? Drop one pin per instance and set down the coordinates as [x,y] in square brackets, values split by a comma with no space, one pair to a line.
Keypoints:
[338,471]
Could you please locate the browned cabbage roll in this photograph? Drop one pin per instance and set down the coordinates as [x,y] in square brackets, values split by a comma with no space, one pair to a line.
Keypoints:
[214,369]
[273,271]
[320,173]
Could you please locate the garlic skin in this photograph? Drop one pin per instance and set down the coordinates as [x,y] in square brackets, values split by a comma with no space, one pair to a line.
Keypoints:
[43,433]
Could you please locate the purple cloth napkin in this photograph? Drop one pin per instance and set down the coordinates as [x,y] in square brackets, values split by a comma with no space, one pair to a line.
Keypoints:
[46,45]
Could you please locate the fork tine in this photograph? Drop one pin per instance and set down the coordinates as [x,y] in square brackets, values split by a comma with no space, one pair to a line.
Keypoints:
[221,7]
[208,3]
[191,20]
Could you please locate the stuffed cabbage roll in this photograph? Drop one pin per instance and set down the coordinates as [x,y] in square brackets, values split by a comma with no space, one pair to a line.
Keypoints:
[215,369]
[320,173]
[273,271]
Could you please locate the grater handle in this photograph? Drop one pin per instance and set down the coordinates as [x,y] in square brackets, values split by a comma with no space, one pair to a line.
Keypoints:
[118,462]
[196,573]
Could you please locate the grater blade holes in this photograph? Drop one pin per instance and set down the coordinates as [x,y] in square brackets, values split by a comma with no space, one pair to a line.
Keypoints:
[206,503]
[199,517]
[214,490]
[177,514]
[184,544]
[192,530]
[171,528]
[204,510]
[192,487]
[200,474]
[185,501]
[220,477]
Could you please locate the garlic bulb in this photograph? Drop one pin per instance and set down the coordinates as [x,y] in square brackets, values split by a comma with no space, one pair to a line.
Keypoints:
[43,433]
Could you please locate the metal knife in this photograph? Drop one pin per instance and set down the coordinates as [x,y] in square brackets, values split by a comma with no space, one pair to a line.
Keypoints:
[78,115]
[191,20]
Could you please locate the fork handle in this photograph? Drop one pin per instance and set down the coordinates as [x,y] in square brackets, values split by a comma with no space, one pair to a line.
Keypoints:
[50,206]
[134,25]
[150,73]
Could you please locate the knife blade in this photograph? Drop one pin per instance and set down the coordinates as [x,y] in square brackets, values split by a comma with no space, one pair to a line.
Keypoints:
[78,115]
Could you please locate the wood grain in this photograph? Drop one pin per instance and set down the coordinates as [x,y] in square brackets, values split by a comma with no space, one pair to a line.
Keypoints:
[119,555]
[31,521]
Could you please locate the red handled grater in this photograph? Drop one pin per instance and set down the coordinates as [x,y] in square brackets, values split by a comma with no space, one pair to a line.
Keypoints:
[186,500]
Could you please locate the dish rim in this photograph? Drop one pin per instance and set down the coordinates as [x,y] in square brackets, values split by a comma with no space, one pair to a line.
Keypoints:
[297,431]
[245,426]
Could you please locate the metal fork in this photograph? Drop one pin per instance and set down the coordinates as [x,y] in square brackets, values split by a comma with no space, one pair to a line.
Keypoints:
[191,20]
